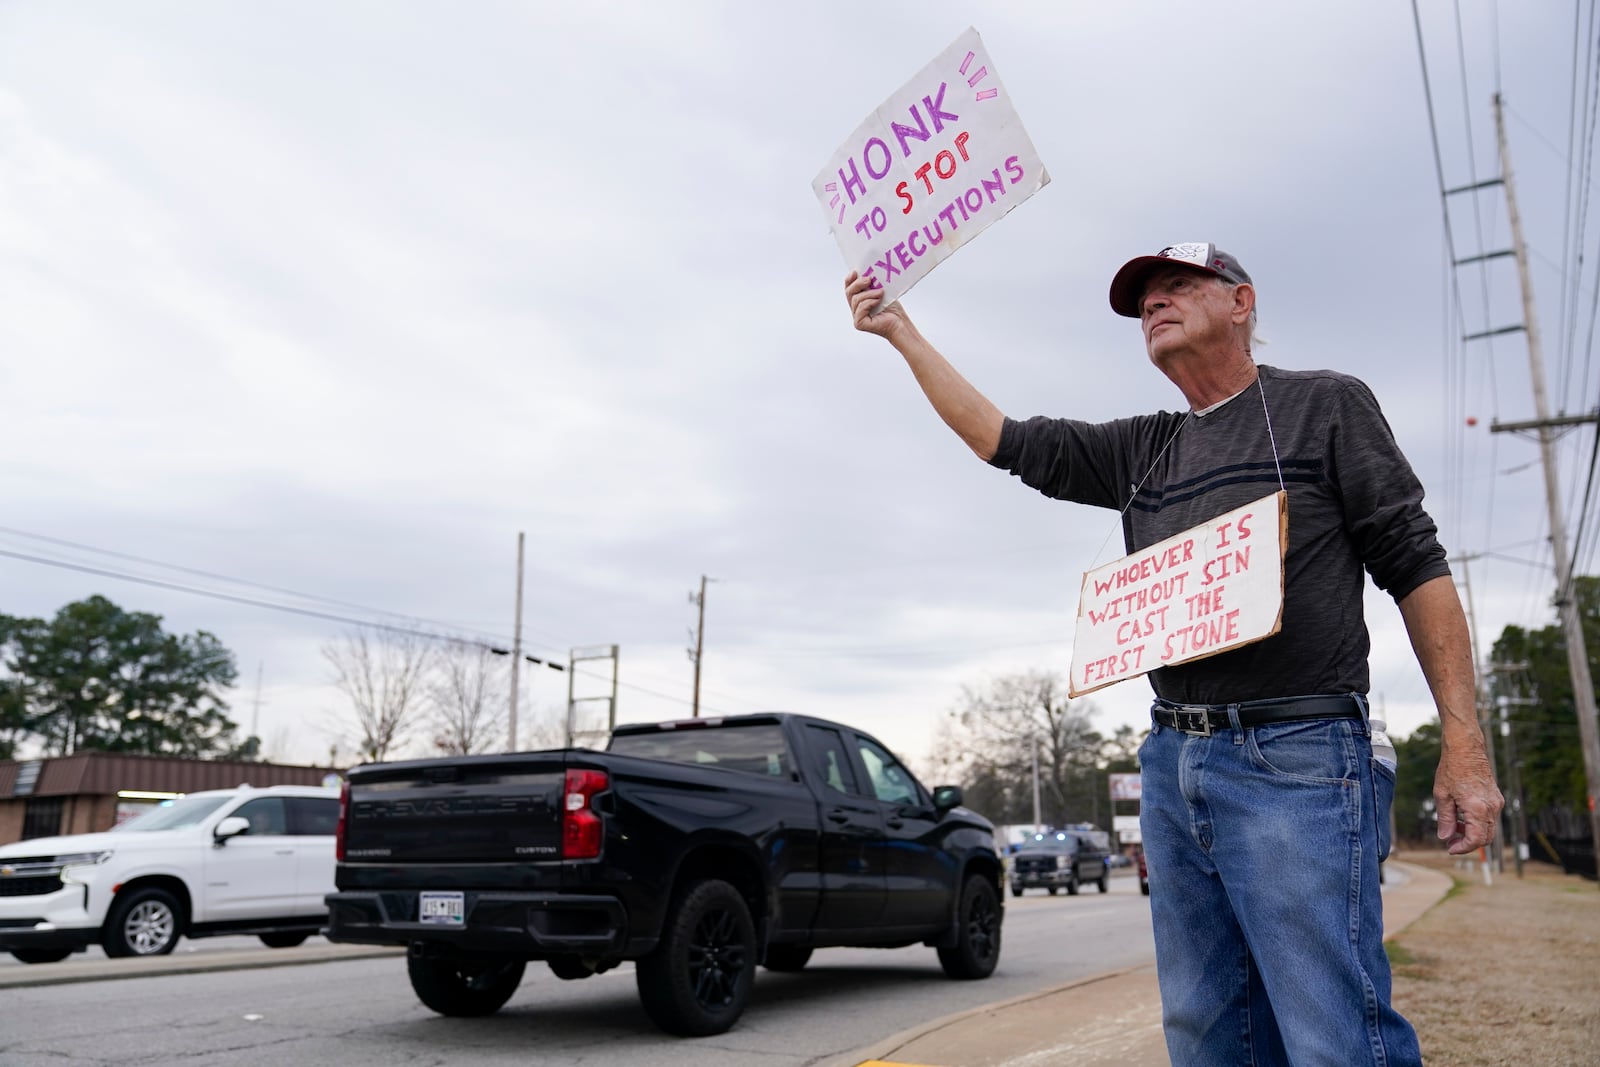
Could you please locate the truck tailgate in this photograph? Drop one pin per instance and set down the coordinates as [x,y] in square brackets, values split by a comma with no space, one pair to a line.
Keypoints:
[474,810]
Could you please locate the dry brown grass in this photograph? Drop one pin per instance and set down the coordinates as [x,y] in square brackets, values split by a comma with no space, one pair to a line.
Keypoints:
[1503,974]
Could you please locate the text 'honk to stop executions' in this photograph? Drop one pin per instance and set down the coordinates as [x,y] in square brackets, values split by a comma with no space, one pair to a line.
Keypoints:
[1214,587]
[936,164]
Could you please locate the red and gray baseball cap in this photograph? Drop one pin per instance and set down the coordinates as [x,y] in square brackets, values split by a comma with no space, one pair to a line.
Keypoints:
[1128,286]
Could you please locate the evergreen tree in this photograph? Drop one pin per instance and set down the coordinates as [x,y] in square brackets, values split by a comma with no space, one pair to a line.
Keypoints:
[98,677]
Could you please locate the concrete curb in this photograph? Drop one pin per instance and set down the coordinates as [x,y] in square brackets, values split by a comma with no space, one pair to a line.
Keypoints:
[876,1051]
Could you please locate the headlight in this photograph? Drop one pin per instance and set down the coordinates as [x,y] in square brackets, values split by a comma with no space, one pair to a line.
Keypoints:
[70,861]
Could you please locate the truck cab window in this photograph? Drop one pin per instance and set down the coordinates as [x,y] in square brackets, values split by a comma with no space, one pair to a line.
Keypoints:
[891,783]
[832,760]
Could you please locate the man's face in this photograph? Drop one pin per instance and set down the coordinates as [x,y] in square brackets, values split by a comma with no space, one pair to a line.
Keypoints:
[1185,310]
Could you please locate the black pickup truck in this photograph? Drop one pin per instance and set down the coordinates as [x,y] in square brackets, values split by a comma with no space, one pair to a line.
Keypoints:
[696,848]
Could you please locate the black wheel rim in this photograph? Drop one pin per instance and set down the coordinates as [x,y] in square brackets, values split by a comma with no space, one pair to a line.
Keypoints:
[717,957]
[983,924]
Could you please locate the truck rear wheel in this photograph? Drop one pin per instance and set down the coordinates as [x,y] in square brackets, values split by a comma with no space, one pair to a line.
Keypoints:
[464,987]
[698,979]
[977,947]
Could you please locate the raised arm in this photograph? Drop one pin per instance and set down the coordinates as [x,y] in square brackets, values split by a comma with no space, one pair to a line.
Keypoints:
[965,410]
[1464,791]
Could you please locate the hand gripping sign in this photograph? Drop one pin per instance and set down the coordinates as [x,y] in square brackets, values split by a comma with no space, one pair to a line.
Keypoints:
[1209,589]
[939,162]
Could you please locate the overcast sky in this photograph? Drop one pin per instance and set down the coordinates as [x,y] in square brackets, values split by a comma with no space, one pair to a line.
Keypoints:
[338,298]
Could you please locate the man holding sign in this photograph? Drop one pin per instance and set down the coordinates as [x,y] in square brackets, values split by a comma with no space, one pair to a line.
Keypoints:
[1252,520]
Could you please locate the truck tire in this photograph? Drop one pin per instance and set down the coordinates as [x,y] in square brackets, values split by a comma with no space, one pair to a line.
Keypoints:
[1016,890]
[786,957]
[1072,885]
[977,947]
[143,922]
[1105,882]
[41,955]
[464,988]
[698,979]
[284,938]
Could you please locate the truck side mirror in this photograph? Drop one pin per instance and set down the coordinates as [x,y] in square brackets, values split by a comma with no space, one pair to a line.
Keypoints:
[946,797]
[232,826]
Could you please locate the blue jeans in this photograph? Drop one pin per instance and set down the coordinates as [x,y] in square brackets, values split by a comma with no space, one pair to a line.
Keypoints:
[1263,847]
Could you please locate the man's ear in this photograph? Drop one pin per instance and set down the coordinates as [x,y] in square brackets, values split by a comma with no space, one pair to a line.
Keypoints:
[1244,302]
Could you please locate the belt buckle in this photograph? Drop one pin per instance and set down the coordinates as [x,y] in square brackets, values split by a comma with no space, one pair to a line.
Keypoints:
[1194,721]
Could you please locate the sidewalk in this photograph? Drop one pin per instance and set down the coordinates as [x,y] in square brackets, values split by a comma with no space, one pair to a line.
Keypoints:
[1118,1015]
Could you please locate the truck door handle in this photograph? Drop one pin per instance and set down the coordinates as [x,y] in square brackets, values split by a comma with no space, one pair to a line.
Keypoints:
[838,815]
[894,824]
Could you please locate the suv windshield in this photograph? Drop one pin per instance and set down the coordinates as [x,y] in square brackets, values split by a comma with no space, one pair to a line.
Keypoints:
[177,814]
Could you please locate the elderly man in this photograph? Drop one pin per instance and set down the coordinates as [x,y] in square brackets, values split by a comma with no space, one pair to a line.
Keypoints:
[1265,815]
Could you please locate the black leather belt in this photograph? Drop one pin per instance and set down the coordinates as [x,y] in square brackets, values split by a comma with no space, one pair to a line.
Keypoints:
[1202,720]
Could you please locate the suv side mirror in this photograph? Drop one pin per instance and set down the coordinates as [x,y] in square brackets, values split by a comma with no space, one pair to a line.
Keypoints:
[232,826]
[946,797]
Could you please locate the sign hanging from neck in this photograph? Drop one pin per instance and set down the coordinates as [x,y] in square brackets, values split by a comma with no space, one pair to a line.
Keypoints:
[1204,591]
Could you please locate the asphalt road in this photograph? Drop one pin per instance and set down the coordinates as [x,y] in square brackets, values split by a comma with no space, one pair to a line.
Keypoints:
[236,1005]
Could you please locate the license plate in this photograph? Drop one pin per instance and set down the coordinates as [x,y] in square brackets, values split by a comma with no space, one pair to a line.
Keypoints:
[442,909]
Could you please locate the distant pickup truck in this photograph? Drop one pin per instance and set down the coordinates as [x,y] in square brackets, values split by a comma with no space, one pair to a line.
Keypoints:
[698,848]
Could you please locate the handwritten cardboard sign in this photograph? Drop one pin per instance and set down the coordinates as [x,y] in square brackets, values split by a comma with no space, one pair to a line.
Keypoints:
[938,163]
[1207,590]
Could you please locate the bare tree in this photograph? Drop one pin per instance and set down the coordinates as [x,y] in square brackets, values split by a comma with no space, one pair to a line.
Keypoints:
[988,742]
[467,692]
[382,673]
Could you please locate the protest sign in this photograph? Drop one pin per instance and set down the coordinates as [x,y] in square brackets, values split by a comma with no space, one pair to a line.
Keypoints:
[939,162]
[1209,589]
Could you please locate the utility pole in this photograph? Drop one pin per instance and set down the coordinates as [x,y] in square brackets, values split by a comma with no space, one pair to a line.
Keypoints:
[516,653]
[1566,600]
[255,715]
[1036,824]
[579,655]
[699,640]
[1480,702]
[1519,815]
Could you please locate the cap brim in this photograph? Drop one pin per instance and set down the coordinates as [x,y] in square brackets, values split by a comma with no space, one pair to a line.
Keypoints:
[1128,286]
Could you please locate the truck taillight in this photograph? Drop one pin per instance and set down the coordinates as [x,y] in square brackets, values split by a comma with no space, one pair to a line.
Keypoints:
[344,814]
[581,828]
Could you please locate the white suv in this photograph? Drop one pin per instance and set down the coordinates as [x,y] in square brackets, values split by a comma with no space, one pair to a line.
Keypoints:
[226,861]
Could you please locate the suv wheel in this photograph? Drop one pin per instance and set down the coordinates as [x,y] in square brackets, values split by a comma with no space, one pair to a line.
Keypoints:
[143,922]
[284,938]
